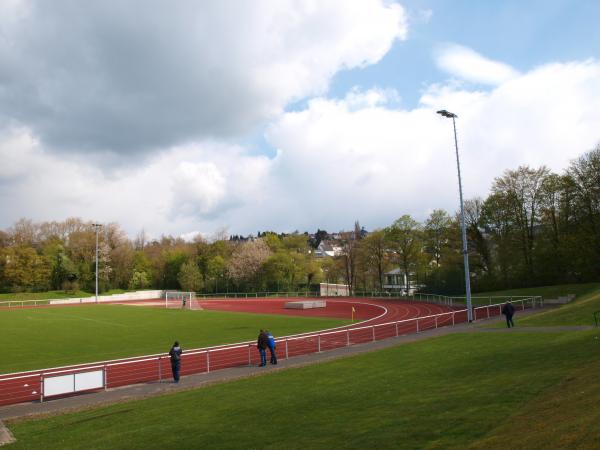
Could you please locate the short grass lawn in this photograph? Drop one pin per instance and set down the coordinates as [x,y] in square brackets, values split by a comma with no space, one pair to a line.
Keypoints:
[37,338]
[578,312]
[486,390]
[556,291]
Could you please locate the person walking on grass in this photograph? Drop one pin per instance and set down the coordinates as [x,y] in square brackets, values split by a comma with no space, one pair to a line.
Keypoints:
[261,344]
[508,310]
[175,354]
[272,344]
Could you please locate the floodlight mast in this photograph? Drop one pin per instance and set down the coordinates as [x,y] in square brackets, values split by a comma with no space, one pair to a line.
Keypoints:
[97,227]
[465,249]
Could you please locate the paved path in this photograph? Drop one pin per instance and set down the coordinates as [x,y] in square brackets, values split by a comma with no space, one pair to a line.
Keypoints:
[140,391]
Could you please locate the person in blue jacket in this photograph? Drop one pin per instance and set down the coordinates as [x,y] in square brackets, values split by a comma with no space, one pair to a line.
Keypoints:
[175,354]
[272,344]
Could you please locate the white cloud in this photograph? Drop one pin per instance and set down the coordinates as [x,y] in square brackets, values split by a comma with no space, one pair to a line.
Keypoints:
[467,64]
[360,157]
[375,163]
[137,76]
[182,189]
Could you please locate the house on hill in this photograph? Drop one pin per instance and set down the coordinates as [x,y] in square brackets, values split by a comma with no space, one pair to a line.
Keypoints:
[328,248]
[397,282]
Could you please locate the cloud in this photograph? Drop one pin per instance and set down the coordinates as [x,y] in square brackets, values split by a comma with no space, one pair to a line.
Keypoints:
[337,160]
[181,189]
[337,163]
[467,64]
[120,78]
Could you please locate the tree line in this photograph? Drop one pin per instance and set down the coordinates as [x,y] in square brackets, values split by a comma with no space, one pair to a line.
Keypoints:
[534,228]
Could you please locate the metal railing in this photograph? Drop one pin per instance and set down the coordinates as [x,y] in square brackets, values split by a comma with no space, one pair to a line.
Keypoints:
[447,300]
[22,303]
[28,386]
[262,294]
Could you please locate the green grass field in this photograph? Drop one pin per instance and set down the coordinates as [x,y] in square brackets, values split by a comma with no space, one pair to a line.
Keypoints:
[494,297]
[37,338]
[556,291]
[578,312]
[454,392]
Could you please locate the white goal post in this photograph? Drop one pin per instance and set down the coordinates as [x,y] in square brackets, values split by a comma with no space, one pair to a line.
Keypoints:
[333,290]
[181,300]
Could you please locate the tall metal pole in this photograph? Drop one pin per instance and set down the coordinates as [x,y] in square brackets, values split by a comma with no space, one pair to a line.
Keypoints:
[465,249]
[97,226]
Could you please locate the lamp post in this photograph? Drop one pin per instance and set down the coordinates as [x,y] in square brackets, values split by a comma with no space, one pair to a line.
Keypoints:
[97,227]
[465,250]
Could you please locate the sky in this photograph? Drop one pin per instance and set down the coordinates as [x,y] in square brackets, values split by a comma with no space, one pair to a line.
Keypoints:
[195,117]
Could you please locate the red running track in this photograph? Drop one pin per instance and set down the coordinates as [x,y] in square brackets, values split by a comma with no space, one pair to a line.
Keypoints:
[379,319]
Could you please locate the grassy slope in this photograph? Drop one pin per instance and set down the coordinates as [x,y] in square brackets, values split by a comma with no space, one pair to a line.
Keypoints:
[46,337]
[448,392]
[546,291]
[578,312]
[564,416]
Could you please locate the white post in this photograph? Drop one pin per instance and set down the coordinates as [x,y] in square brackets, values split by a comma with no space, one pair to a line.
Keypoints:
[373,333]
[436,317]
[207,361]
[348,338]
[286,349]
[319,342]
[417,325]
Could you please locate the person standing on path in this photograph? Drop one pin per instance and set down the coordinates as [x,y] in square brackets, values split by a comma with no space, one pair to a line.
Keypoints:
[508,310]
[272,344]
[261,344]
[175,354]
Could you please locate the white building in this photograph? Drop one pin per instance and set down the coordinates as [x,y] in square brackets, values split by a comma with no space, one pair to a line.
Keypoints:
[396,281]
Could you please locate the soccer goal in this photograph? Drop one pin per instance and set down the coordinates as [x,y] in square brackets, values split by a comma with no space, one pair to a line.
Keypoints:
[333,290]
[181,300]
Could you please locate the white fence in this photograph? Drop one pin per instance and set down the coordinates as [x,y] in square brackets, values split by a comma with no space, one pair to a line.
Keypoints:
[477,300]
[127,296]
[29,386]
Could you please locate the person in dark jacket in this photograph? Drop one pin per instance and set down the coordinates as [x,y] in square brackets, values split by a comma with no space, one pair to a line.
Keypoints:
[508,310]
[175,354]
[261,344]
[272,344]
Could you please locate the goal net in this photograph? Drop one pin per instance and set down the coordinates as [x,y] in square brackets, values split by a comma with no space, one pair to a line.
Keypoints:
[181,300]
[333,290]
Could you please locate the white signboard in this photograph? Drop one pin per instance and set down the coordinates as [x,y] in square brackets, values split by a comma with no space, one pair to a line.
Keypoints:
[74,382]
[89,380]
[63,384]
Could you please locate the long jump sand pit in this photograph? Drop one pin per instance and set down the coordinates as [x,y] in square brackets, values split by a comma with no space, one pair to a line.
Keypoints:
[306,304]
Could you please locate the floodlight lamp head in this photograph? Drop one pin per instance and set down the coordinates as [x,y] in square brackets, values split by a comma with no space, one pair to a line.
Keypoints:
[445,113]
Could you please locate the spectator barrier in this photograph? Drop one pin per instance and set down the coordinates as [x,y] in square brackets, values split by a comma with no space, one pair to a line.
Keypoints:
[29,386]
